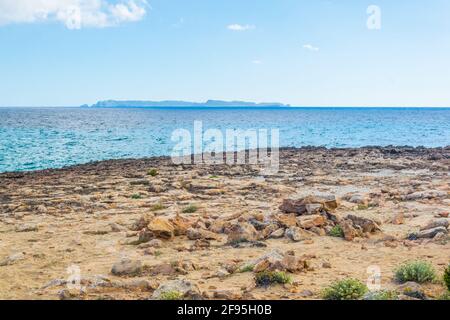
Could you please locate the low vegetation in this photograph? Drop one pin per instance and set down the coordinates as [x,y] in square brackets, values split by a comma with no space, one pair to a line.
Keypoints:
[337,232]
[417,271]
[381,295]
[136,196]
[171,295]
[447,277]
[347,289]
[267,278]
[152,172]
[190,209]
[157,207]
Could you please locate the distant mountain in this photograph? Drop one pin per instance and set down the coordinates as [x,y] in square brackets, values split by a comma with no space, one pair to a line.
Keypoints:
[169,103]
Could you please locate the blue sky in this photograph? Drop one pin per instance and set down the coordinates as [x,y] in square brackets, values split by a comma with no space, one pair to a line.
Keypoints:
[301,52]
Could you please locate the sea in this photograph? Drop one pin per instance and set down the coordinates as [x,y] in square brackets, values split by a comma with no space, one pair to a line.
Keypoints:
[41,138]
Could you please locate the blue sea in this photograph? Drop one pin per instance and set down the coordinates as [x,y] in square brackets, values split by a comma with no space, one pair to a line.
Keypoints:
[40,138]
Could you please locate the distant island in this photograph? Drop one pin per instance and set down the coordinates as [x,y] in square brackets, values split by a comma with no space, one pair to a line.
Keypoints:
[175,103]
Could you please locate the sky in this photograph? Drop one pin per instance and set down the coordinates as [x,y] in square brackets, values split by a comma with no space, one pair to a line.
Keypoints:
[300,52]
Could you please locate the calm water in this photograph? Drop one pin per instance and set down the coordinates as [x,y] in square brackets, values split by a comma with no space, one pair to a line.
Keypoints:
[38,138]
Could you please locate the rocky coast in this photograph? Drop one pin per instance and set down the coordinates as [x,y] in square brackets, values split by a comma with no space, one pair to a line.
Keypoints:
[149,229]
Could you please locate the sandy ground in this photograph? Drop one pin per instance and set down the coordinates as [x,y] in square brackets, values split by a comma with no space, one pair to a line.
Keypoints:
[55,222]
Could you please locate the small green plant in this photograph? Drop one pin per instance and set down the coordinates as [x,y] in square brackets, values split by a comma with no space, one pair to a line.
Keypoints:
[157,253]
[381,295]
[171,295]
[157,207]
[136,196]
[267,278]
[362,207]
[337,232]
[417,271]
[447,277]
[347,289]
[247,268]
[152,172]
[445,296]
[214,177]
[190,209]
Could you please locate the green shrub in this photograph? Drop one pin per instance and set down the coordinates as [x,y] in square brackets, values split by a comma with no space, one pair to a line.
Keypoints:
[445,296]
[337,231]
[171,295]
[136,196]
[190,209]
[381,295]
[347,289]
[447,277]
[152,172]
[267,278]
[246,268]
[157,207]
[417,271]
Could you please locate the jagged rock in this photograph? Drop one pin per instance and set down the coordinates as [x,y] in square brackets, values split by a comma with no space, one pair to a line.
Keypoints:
[181,225]
[299,206]
[349,231]
[242,232]
[431,233]
[308,222]
[432,194]
[279,233]
[186,289]
[295,234]
[436,223]
[276,260]
[286,221]
[127,267]
[367,225]
[201,234]
[161,228]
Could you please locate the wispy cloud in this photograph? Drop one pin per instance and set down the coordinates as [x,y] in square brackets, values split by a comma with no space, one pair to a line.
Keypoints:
[74,14]
[257,61]
[240,27]
[310,47]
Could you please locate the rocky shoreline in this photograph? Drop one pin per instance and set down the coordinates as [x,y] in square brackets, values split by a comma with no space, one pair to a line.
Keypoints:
[149,229]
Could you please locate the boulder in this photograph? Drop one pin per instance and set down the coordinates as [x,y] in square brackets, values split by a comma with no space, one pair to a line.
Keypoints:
[296,234]
[309,204]
[127,267]
[242,232]
[367,225]
[286,221]
[349,231]
[161,228]
[184,288]
[180,225]
[308,222]
[431,233]
[279,233]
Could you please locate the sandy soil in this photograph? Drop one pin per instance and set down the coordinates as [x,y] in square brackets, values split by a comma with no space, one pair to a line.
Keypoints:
[85,217]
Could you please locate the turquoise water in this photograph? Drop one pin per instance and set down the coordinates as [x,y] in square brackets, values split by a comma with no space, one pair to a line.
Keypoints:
[39,138]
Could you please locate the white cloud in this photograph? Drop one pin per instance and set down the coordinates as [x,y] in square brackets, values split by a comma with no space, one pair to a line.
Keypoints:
[74,14]
[310,47]
[257,62]
[240,27]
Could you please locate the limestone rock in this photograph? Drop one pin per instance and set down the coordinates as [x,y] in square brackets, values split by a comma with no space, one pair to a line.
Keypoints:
[127,267]
[161,228]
